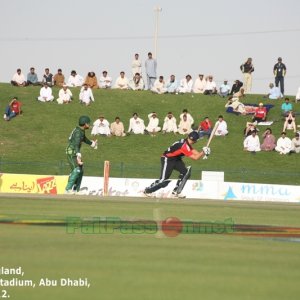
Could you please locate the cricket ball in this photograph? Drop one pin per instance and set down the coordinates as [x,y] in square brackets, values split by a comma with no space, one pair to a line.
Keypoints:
[171,226]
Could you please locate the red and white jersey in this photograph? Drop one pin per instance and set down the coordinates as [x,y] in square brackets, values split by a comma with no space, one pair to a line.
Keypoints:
[260,112]
[178,150]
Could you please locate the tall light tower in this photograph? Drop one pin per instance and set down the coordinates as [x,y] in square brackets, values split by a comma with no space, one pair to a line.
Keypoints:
[157,10]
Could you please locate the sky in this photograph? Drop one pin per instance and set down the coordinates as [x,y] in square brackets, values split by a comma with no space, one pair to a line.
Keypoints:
[196,36]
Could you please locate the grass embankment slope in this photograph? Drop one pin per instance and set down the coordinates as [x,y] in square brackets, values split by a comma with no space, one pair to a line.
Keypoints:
[37,140]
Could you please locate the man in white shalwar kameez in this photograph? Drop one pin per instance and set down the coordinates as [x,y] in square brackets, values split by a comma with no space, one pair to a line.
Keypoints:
[185,126]
[200,84]
[105,81]
[86,95]
[251,142]
[188,115]
[170,123]
[45,94]
[122,82]
[284,144]
[153,123]
[136,125]
[186,85]
[101,127]
[64,95]
[75,80]
[159,86]
[296,143]
[222,127]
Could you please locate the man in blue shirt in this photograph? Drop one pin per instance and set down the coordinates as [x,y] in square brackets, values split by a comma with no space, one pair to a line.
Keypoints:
[286,107]
[32,77]
[224,89]
[172,85]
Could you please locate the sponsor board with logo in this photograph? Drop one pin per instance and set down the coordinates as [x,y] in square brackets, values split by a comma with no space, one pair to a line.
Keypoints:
[134,187]
[37,184]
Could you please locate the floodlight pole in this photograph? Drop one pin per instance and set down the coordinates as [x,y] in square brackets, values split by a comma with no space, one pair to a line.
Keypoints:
[157,10]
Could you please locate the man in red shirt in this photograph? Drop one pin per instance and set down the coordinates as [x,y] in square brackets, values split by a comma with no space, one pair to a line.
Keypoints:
[13,109]
[260,114]
[171,160]
[205,128]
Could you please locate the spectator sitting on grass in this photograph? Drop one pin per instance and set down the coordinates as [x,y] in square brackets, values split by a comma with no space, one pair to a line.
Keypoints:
[170,124]
[236,87]
[185,126]
[75,79]
[260,114]
[250,127]
[121,82]
[136,83]
[18,79]
[172,85]
[105,81]
[274,92]
[101,127]
[290,122]
[136,125]
[189,116]
[159,86]
[91,80]
[13,109]
[199,86]
[251,142]
[286,107]
[210,87]
[186,85]
[284,144]
[117,128]
[296,144]
[32,77]
[269,141]
[224,89]
[86,95]
[153,127]
[64,95]
[45,93]
[48,77]
[205,128]
[59,78]
[222,127]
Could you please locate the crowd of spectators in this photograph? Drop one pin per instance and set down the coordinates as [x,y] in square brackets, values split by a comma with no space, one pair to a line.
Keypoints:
[203,84]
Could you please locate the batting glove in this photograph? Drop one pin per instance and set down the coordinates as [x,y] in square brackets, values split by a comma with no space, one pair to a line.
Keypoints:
[206,150]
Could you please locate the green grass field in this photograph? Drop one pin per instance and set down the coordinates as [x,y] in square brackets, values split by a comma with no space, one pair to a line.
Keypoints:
[150,266]
[35,142]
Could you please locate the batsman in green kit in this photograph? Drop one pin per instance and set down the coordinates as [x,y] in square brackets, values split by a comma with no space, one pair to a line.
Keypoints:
[77,137]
